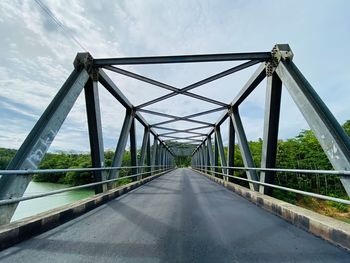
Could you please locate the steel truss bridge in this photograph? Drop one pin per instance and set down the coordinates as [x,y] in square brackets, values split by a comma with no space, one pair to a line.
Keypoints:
[203,143]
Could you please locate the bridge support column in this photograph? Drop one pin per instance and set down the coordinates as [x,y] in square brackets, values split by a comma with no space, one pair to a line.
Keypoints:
[216,156]
[95,131]
[244,147]
[154,155]
[210,153]
[133,148]
[149,157]
[143,150]
[221,151]
[231,146]
[204,159]
[270,136]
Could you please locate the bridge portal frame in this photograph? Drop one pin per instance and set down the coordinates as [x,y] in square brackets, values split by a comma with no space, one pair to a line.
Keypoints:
[276,65]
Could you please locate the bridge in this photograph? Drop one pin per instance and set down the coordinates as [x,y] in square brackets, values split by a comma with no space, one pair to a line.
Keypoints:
[167,213]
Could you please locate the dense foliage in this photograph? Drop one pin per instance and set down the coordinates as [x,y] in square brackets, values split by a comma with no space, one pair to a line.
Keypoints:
[64,160]
[301,152]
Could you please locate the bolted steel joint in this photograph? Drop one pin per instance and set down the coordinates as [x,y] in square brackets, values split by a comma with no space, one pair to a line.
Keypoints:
[83,60]
[279,52]
[94,74]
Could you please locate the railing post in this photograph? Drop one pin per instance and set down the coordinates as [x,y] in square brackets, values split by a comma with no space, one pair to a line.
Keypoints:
[270,136]
[95,131]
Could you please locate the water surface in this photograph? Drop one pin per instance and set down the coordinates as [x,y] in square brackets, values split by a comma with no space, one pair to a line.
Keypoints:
[38,205]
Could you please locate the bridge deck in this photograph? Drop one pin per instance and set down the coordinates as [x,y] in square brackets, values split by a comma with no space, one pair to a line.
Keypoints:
[179,217]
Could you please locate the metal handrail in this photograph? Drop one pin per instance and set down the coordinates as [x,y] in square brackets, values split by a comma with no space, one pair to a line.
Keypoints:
[334,172]
[42,171]
[19,199]
[319,196]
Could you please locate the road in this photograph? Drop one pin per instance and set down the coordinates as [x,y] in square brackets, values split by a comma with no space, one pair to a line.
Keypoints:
[179,217]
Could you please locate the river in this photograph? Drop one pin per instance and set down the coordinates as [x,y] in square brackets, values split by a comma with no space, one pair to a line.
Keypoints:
[38,205]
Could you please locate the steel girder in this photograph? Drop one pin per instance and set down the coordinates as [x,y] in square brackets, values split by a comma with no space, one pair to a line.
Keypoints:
[220,146]
[95,132]
[244,147]
[161,85]
[200,83]
[332,138]
[119,151]
[210,153]
[133,148]
[231,147]
[144,148]
[261,56]
[33,149]
[270,135]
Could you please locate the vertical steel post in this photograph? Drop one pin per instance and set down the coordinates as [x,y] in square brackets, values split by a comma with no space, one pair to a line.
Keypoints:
[143,149]
[95,131]
[221,151]
[210,153]
[231,146]
[270,136]
[245,151]
[216,156]
[149,157]
[154,154]
[160,152]
[208,158]
[201,157]
[133,149]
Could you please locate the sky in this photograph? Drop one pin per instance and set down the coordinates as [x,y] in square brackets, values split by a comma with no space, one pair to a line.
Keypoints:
[37,57]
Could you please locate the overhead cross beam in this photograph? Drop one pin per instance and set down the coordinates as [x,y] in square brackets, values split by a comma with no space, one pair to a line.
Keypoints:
[183,130]
[189,132]
[201,83]
[162,85]
[261,56]
[183,118]
[177,137]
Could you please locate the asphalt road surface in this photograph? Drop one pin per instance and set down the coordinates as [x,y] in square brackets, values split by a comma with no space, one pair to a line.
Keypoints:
[179,217]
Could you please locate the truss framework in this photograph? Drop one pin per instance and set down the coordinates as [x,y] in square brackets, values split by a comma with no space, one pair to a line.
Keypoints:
[276,66]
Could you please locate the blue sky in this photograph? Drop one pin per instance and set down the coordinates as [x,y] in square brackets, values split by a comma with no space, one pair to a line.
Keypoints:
[36,58]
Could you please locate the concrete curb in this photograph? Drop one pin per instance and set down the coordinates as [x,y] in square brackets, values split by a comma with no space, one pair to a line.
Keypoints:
[23,229]
[332,230]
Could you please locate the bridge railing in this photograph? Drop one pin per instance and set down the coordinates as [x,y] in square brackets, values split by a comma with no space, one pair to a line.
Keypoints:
[213,170]
[152,170]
